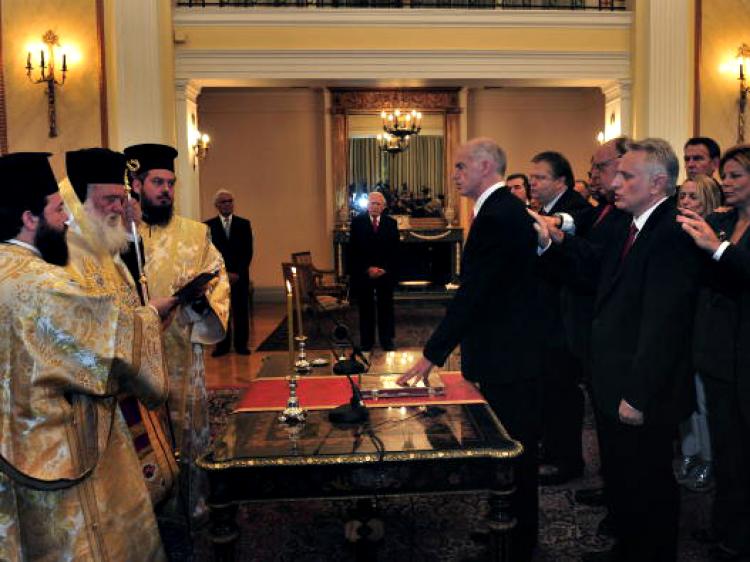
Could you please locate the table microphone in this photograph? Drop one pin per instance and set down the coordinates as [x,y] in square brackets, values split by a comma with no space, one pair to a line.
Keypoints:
[355,411]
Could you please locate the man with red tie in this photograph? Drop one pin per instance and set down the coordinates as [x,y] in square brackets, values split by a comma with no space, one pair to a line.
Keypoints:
[646,280]
[373,255]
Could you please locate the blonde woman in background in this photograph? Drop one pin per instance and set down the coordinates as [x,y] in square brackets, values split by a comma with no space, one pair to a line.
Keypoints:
[702,195]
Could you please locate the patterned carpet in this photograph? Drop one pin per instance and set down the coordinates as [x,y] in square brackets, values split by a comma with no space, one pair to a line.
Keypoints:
[414,324]
[432,528]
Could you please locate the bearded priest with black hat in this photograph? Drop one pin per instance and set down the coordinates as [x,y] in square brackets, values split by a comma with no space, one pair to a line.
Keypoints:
[94,194]
[176,250]
[70,483]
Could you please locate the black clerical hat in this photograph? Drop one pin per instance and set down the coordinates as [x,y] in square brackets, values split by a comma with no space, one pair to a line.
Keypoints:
[27,179]
[151,157]
[94,166]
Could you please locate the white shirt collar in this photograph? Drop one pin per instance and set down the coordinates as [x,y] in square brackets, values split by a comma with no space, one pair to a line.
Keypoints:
[484,196]
[26,245]
[640,220]
[554,201]
[227,219]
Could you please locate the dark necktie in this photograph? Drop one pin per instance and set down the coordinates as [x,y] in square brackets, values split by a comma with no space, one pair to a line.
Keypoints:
[629,241]
[603,213]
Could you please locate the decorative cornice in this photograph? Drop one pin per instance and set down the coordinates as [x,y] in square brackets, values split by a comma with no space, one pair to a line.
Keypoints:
[335,17]
[343,100]
[187,90]
[234,66]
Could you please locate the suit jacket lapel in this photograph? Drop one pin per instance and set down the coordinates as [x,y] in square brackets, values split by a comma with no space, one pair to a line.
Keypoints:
[612,270]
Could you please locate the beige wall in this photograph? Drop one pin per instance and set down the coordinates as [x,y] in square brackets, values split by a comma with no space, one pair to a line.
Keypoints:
[526,121]
[725,26]
[78,101]
[267,147]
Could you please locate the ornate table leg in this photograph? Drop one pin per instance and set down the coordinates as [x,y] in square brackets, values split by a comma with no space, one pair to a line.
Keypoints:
[500,521]
[224,531]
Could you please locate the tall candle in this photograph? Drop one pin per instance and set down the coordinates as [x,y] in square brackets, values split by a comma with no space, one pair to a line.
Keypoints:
[290,321]
[297,297]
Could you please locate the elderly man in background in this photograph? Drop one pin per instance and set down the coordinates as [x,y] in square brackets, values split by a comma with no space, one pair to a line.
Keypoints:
[233,237]
[373,255]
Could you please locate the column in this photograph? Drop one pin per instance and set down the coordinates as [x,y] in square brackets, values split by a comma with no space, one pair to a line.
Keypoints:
[187,166]
[669,57]
[135,73]
[617,109]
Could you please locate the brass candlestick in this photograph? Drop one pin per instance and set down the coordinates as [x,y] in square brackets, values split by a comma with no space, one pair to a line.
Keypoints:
[302,365]
[293,413]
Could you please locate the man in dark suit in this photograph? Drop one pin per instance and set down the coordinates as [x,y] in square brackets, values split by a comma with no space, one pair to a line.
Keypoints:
[552,183]
[489,317]
[373,254]
[642,375]
[233,237]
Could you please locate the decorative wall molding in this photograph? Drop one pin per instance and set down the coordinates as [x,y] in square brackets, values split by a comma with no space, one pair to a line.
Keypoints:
[432,99]
[232,67]
[341,17]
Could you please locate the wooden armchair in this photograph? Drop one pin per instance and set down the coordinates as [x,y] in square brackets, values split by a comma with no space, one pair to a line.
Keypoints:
[319,305]
[323,281]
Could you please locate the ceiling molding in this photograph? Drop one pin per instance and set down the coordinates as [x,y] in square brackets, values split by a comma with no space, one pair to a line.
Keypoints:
[235,67]
[431,18]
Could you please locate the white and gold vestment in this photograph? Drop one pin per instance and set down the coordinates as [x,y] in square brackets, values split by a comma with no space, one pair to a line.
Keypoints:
[175,254]
[70,485]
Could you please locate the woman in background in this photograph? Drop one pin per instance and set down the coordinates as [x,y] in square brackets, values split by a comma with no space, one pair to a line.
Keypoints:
[701,195]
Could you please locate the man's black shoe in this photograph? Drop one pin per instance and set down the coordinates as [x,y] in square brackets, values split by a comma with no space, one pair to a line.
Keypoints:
[593,497]
[243,351]
[219,352]
[388,346]
[551,475]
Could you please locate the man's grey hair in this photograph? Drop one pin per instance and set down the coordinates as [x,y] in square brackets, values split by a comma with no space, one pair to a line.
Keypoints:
[661,158]
[221,192]
[487,149]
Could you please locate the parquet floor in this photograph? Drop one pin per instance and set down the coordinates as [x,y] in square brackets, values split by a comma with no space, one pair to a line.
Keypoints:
[238,370]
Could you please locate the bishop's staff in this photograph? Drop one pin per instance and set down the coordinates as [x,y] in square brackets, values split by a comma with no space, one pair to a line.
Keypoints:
[132,167]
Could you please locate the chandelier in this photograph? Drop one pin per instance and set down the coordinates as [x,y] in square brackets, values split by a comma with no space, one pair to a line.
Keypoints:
[392,144]
[402,124]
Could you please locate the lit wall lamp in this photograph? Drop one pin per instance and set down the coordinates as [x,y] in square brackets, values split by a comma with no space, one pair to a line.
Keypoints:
[743,58]
[200,143]
[47,76]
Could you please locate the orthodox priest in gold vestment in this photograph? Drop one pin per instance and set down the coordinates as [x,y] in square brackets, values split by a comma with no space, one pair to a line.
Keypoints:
[96,199]
[177,250]
[70,485]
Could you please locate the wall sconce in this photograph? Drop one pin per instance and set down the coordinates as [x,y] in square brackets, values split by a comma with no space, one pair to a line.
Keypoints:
[200,143]
[743,57]
[47,76]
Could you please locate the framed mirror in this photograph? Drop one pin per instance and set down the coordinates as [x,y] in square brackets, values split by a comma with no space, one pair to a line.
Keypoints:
[416,180]
[412,178]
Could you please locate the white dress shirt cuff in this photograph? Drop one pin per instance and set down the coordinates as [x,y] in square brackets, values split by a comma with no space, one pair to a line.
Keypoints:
[567,224]
[721,249]
[540,250]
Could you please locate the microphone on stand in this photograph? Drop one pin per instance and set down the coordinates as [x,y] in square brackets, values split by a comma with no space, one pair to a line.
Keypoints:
[355,410]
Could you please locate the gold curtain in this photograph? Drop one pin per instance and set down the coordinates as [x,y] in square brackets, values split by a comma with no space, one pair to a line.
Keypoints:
[420,165]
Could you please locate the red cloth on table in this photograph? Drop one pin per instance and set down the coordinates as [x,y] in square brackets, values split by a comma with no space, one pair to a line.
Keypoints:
[322,393]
